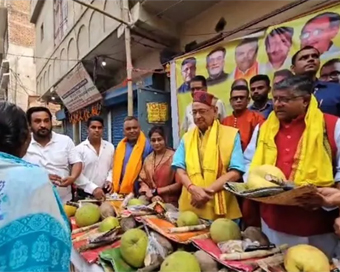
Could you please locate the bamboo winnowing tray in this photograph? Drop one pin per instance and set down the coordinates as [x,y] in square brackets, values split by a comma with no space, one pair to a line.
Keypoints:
[283,195]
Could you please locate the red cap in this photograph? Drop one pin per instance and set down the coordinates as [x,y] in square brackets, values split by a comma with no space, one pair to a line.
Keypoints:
[203,97]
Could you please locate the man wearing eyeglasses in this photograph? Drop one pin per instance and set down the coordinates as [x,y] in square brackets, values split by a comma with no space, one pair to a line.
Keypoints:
[306,61]
[320,31]
[199,83]
[330,71]
[242,118]
[207,157]
[188,69]
[303,143]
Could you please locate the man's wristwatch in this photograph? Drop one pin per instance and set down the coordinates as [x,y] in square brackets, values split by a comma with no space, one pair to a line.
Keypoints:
[154,192]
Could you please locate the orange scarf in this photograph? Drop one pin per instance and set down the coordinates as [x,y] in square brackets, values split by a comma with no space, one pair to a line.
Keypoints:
[133,166]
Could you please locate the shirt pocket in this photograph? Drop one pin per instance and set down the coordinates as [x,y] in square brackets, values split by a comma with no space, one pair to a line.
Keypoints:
[59,158]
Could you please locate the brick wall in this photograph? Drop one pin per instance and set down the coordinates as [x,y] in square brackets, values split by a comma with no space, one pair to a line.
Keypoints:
[21,31]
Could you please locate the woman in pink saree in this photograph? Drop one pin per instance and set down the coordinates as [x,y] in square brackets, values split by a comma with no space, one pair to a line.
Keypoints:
[157,178]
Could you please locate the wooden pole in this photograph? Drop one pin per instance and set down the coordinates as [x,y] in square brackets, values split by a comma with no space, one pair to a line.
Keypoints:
[125,5]
[125,21]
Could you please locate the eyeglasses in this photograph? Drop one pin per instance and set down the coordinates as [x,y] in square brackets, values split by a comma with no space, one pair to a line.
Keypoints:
[315,33]
[200,112]
[235,98]
[334,74]
[285,100]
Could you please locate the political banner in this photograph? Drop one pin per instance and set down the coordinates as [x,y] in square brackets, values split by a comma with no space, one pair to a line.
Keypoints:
[269,52]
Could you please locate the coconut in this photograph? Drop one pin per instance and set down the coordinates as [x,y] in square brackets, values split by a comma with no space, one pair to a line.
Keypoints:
[127,223]
[106,210]
[207,263]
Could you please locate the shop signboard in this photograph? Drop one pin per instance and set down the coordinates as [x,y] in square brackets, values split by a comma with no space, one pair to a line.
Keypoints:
[77,89]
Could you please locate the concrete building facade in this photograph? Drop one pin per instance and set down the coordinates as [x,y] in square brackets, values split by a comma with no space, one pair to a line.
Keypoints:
[18,72]
[68,33]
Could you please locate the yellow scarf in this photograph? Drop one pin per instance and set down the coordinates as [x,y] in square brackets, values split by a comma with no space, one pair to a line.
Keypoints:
[203,172]
[133,166]
[313,158]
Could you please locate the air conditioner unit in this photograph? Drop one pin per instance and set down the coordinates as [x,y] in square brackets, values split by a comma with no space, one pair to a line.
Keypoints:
[4,67]
[4,80]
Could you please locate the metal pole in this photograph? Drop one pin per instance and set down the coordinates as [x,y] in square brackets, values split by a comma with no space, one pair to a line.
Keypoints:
[125,5]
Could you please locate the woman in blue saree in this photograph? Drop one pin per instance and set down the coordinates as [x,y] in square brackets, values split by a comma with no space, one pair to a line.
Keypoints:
[34,230]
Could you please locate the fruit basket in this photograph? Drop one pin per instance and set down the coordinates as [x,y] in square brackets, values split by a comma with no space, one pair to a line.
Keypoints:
[283,195]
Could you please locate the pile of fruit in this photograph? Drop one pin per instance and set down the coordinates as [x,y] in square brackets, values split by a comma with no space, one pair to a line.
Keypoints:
[145,250]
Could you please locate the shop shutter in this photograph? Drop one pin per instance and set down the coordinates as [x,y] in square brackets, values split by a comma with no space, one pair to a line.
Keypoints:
[105,132]
[68,129]
[118,114]
[104,116]
[83,131]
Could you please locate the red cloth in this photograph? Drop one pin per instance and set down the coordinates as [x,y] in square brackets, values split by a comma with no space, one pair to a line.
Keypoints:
[210,247]
[294,220]
[245,123]
[203,97]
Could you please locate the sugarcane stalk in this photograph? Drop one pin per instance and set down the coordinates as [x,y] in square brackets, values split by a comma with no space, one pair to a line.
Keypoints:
[187,229]
[90,201]
[107,236]
[252,254]
[86,228]
[142,213]
[96,245]
[84,236]
[270,261]
[202,236]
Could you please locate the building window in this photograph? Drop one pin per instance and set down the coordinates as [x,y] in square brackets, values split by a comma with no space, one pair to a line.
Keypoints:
[60,20]
[41,32]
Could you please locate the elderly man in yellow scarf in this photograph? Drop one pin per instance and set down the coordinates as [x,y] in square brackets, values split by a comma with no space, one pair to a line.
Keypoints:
[304,143]
[208,156]
[129,157]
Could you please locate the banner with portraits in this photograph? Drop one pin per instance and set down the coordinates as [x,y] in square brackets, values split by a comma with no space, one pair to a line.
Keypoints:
[269,53]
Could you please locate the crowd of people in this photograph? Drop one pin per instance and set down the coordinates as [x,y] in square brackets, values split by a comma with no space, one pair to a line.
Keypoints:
[297,130]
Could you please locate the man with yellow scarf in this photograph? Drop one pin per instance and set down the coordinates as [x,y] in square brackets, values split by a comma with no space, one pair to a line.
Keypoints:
[304,143]
[208,156]
[129,157]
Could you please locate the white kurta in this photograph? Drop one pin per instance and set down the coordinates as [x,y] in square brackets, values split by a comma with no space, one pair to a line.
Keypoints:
[97,169]
[326,242]
[56,158]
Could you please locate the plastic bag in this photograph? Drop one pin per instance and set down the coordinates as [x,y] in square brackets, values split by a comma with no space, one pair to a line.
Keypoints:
[236,246]
[154,252]
[231,246]
[172,217]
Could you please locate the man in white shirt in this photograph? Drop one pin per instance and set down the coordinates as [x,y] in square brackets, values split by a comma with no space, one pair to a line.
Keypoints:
[199,83]
[97,158]
[53,152]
